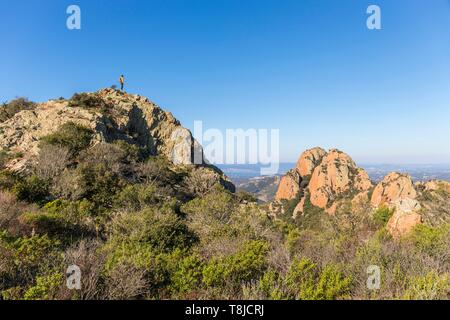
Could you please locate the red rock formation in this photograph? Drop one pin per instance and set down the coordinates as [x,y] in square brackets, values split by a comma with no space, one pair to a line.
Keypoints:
[394,187]
[336,176]
[289,186]
[309,160]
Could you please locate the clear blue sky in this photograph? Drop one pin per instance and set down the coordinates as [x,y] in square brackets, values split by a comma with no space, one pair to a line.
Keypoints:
[308,67]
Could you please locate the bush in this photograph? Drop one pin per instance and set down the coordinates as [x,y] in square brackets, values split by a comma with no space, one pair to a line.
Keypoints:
[188,275]
[249,263]
[382,215]
[45,288]
[52,160]
[155,171]
[7,180]
[117,158]
[136,197]
[97,184]
[431,240]
[8,110]
[161,229]
[429,287]
[32,189]
[215,207]
[271,286]
[199,182]
[307,283]
[85,100]
[70,135]
[11,209]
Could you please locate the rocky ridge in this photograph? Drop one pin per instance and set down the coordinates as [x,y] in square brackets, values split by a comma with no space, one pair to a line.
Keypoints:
[327,180]
[116,116]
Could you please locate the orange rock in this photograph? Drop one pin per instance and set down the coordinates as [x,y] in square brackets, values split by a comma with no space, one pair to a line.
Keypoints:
[435,185]
[405,218]
[309,160]
[289,186]
[395,186]
[336,175]
[299,208]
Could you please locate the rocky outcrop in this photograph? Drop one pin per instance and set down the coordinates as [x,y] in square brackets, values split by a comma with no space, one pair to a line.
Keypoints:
[309,160]
[434,197]
[395,186]
[336,176]
[325,178]
[435,185]
[289,186]
[113,115]
[290,183]
[405,217]
[128,117]
[397,191]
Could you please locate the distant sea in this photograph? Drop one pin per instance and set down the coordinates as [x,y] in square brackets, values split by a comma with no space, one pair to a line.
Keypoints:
[418,172]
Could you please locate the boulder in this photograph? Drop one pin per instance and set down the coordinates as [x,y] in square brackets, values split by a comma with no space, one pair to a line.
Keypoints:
[405,218]
[395,186]
[299,209]
[309,160]
[289,186]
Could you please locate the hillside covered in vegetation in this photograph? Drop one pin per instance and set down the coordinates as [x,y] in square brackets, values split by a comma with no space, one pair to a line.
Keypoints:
[90,181]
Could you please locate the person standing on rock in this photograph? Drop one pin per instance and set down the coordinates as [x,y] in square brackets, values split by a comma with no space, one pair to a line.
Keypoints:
[122,82]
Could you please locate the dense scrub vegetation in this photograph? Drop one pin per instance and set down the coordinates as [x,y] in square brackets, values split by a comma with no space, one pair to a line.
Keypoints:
[8,110]
[140,228]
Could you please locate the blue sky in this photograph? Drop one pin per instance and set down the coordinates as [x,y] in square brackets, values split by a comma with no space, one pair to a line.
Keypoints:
[310,68]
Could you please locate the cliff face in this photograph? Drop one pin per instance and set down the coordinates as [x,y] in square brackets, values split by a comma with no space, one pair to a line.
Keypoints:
[112,115]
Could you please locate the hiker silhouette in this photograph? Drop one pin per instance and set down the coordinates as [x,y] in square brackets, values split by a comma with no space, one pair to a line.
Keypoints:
[122,82]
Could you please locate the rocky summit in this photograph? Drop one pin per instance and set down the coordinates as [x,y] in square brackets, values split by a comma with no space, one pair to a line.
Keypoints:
[324,178]
[113,116]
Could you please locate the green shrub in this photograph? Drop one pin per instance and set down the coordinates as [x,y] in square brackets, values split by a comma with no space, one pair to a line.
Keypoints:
[97,184]
[213,209]
[429,287]
[85,100]
[431,240]
[188,275]
[8,110]
[7,180]
[60,220]
[161,229]
[306,282]
[70,135]
[45,287]
[247,264]
[32,189]
[382,215]
[29,254]
[136,197]
[271,285]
